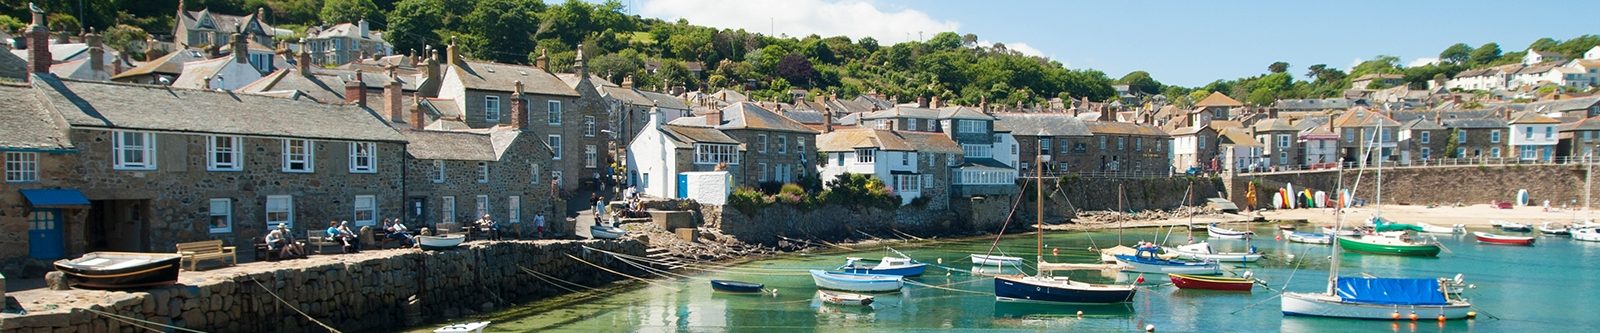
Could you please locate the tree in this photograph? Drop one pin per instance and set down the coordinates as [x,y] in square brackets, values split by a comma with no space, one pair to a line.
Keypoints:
[616,66]
[1485,54]
[1459,53]
[126,39]
[498,30]
[1451,144]
[1141,81]
[1278,67]
[796,69]
[412,24]
[1315,71]
[11,23]
[350,11]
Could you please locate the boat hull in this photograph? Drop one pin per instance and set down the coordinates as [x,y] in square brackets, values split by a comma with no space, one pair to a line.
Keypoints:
[1202,252]
[1184,281]
[1433,229]
[474,327]
[1322,305]
[1419,250]
[856,282]
[735,286]
[845,298]
[1028,289]
[993,260]
[601,232]
[1167,266]
[1488,238]
[1217,232]
[1309,238]
[121,270]
[1587,235]
[912,270]
[445,242]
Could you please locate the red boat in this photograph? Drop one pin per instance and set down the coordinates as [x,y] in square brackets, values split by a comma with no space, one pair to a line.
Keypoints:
[1186,281]
[1488,238]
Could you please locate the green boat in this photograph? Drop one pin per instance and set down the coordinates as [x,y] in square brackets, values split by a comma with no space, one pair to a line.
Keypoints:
[1390,245]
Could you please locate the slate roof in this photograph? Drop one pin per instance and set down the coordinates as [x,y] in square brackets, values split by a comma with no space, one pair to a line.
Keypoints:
[1217,99]
[626,95]
[1585,124]
[195,73]
[807,117]
[848,139]
[321,88]
[1122,128]
[502,77]
[151,107]
[1421,124]
[1236,137]
[1563,105]
[664,101]
[348,30]
[1364,118]
[1474,123]
[1530,117]
[685,136]
[1311,104]
[12,66]
[902,112]
[746,115]
[1043,124]
[1181,131]
[962,112]
[170,64]
[449,145]
[1275,125]
[27,125]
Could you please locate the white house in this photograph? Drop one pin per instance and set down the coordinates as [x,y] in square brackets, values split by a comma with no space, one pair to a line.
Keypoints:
[1320,144]
[226,73]
[1535,56]
[1489,79]
[1193,147]
[1533,136]
[662,154]
[1593,54]
[1241,153]
[912,163]
[1588,68]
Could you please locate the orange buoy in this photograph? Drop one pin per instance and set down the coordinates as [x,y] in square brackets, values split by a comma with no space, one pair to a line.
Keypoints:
[1413,316]
[1395,315]
[1472,314]
[1441,317]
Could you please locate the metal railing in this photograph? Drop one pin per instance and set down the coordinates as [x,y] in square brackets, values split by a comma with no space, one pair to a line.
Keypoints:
[1439,162]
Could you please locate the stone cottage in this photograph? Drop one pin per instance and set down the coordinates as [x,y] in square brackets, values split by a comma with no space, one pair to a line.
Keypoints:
[778,149]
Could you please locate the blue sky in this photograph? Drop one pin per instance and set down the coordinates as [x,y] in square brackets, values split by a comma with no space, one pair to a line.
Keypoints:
[1186,43]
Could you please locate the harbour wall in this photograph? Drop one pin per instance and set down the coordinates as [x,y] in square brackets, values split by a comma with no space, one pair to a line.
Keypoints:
[1440,185]
[369,292]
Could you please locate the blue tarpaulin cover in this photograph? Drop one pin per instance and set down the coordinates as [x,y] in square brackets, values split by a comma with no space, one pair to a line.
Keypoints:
[55,198]
[1391,291]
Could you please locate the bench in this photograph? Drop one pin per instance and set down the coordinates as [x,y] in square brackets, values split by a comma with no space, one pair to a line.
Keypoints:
[194,252]
[320,239]
[263,253]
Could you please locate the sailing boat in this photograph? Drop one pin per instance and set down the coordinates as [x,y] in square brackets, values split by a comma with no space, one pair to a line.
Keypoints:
[1373,297]
[1041,287]
[1393,242]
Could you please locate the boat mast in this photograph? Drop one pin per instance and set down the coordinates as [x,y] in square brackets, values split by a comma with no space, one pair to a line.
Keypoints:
[1120,218]
[1338,224]
[1378,141]
[1038,191]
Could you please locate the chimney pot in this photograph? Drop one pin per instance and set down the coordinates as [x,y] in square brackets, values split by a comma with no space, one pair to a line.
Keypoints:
[827,119]
[392,100]
[543,61]
[714,118]
[355,91]
[450,52]
[627,81]
[39,58]
[519,118]
[241,51]
[417,120]
[922,101]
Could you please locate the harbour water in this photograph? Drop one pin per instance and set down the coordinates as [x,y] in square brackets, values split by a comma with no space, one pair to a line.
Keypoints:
[1549,287]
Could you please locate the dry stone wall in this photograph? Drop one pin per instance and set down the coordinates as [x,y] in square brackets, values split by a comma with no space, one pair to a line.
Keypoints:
[1561,184]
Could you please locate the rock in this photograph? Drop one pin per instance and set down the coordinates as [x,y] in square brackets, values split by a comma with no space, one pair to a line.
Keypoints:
[56,280]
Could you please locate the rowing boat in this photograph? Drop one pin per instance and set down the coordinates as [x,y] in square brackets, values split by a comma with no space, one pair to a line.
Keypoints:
[1488,238]
[1186,281]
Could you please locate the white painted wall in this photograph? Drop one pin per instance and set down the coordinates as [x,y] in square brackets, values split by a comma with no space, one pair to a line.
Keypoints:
[1006,150]
[1519,135]
[709,187]
[452,89]
[1320,150]
[650,154]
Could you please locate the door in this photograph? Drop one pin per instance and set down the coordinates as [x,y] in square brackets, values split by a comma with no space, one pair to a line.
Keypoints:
[416,210]
[45,239]
[683,186]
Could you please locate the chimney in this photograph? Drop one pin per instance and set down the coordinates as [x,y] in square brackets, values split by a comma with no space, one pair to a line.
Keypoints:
[655,117]
[431,66]
[1106,115]
[627,81]
[241,51]
[116,66]
[303,62]
[417,121]
[450,53]
[519,118]
[543,61]
[355,91]
[391,100]
[579,65]
[714,118]
[935,102]
[827,119]
[922,101]
[39,58]
[983,104]
[362,24]
[1272,113]
[97,52]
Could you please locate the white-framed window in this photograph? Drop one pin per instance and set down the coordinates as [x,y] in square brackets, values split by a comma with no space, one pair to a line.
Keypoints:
[1549,132]
[950,159]
[558,176]
[491,108]
[363,157]
[534,176]
[280,210]
[1122,143]
[1044,146]
[514,209]
[438,171]
[865,155]
[555,146]
[1283,140]
[366,210]
[483,206]
[976,151]
[907,183]
[298,156]
[927,181]
[22,167]
[705,153]
[1102,143]
[133,150]
[971,126]
[1527,132]
[1462,152]
[1461,136]
[1494,136]
[1426,152]
[588,126]
[447,212]
[223,153]
[761,143]
[928,126]
[483,172]
[763,167]
[783,144]
[911,124]
[905,158]
[221,212]
[553,111]
[591,156]
[1424,136]
[800,144]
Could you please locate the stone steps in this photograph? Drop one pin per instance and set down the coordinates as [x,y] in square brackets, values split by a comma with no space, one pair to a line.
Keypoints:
[664,259]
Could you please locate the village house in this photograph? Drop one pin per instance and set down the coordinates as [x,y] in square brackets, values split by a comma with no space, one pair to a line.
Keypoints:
[1056,142]
[989,156]
[1580,139]
[1238,151]
[1476,137]
[663,154]
[199,28]
[1422,139]
[43,202]
[1580,107]
[1533,136]
[914,164]
[1195,148]
[224,73]
[778,149]
[1359,132]
[345,42]
[1319,144]
[1124,147]
[1281,147]
[1536,57]
[903,118]
[163,70]
[1383,80]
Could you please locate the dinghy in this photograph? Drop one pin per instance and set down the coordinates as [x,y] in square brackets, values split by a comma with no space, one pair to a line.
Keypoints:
[1340,232]
[1163,266]
[1586,234]
[1222,233]
[900,266]
[606,232]
[1513,227]
[1433,229]
[842,298]
[856,282]
[1309,238]
[1388,243]
[1202,252]
[1109,256]
[476,327]
[995,260]
[1555,229]
[445,242]
[1488,238]
[1185,281]
[735,286]
[121,270]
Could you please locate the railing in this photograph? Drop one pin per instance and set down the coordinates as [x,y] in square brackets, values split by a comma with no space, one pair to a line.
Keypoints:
[1438,162]
[1105,174]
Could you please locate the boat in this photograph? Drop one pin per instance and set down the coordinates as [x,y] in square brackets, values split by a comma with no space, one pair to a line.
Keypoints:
[1555,229]
[1222,233]
[856,282]
[841,298]
[1586,234]
[606,232]
[900,266]
[1340,232]
[995,260]
[1042,287]
[1202,252]
[474,327]
[1144,264]
[445,242]
[1433,229]
[1110,255]
[121,270]
[1381,225]
[1286,227]
[735,286]
[1309,238]
[1186,281]
[1513,227]
[1386,243]
[1488,238]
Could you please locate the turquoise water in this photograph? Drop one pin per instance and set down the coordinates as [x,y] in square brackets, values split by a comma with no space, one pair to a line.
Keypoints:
[1546,288]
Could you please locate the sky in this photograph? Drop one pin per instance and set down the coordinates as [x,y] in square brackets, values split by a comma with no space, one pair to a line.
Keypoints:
[1187,43]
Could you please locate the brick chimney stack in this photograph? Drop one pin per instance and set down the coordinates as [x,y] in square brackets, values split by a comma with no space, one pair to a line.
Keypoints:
[519,118]
[543,61]
[241,50]
[935,102]
[355,91]
[451,57]
[392,101]
[922,101]
[1106,115]
[579,65]
[430,66]
[97,51]
[302,62]
[417,121]
[1272,113]
[827,119]
[983,104]
[39,58]
[627,81]
[714,118]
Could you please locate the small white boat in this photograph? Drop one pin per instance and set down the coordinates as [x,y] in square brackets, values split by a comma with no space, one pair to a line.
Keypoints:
[1512,227]
[1325,305]
[995,260]
[1433,229]
[1309,238]
[475,327]
[1340,232]
[606,232]
[1109,256]
[843,298]
[1586,234]
[1223,233]
[856,282]
[1555,229]
[1203,252]
[445,242]
[1136,263]
[901,266]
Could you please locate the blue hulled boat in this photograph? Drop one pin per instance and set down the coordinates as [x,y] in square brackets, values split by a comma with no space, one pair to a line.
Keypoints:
[735,286]
[900,266]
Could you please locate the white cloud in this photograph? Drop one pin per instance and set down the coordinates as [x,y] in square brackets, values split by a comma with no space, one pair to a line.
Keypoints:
[1423,61]
[1025,49]
[853,18]
[1353,64]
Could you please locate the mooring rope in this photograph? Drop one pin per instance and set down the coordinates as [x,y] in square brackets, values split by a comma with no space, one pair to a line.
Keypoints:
[292,307]
[714,268]
[920,284]
[658,284]
[1256,303]
[549,278]
[136,321]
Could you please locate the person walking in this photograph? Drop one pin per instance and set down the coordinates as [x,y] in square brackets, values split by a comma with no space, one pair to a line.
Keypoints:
[538,224]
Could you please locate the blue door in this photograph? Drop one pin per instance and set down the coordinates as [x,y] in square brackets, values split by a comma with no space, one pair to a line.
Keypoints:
[683,186]
[45,240]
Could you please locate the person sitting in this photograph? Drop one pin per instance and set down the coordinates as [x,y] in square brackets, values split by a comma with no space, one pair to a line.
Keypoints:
[489,227]
[341,234]
[280,241]
[354,238]
[397,231]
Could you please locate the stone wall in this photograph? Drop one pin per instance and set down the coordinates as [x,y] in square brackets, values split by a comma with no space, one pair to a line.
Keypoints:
[55,170]
[827,223]
[372,293]
[1561,184]
[1137,194]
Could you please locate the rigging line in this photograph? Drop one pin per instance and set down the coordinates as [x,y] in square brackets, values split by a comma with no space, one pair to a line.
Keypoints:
[548,277]
[291,306]
[136,321]
[658,271]
[536,276]
[694,264]
[658,284]
[1007,222]
[920,284]
[1255,304]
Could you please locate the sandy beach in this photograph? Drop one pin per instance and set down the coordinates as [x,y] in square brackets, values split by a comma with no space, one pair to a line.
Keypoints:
[1475,216]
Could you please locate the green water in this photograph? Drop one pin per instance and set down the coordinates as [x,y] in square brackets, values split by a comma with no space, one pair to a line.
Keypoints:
[1549,287]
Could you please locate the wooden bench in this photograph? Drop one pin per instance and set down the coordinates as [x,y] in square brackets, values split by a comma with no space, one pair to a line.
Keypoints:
[319,239]
[263,253]
[194,252]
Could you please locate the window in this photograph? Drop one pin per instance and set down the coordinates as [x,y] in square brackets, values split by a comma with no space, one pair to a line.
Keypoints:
[514,209]
[362,157]
[1527,152]
[800,144]
[907,183]
[555,146]
[22,167]
[553,111]
[591,157]
[927,181]
[1494,136]
[905,158]
[1426,153]
[911,124]
[1350,136]
[557,176]
[134,150]
[1527,132]
[280,210]
[763,167]
[1102,143]
[716,153]
[222,216]
[971,126]
[447,213]
[839,158]
[438,171]
[297,156]
[366,210]
[491,108]
[533,173]
[865,155]
[1424,137]
[783,145]
[950,159]
[1461,136]
[1044,146]
[1122,143]
[222,153]
[482,206]
[1014,149]
[483,172]
[1462,152]
[1549,132]
[588,126]
[761,143]
[976,151]
[929,125]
